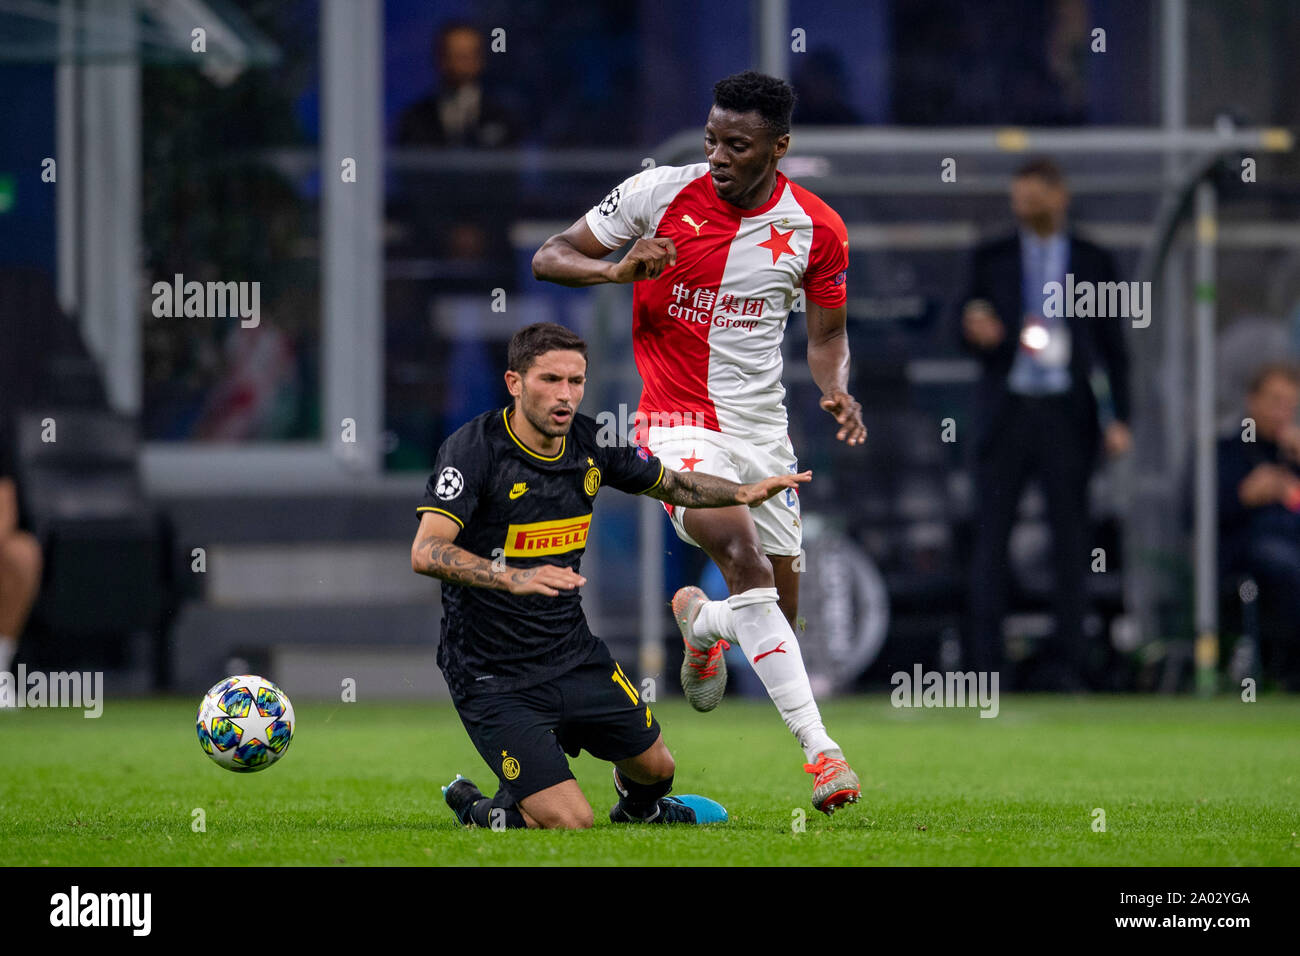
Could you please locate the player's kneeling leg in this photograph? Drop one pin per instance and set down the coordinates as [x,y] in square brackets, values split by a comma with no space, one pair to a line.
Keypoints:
[643,783]
[559,807]
[499,813]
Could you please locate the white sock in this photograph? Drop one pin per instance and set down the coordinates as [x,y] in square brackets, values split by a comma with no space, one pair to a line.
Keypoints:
[763,632]
[713,623]
[8,648]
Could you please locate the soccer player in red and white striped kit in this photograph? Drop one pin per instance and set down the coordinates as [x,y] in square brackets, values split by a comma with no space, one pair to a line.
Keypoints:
[721,250]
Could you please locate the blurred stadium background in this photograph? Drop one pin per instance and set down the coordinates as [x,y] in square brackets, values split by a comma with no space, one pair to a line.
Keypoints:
[386,304]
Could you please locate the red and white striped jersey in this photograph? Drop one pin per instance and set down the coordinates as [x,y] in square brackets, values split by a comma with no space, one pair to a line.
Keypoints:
[707,333]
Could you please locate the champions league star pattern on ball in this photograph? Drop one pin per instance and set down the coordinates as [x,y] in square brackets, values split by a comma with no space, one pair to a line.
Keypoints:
[245,723]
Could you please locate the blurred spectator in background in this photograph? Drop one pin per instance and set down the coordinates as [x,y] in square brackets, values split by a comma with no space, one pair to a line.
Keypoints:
[1035,414]
[820,87]
[461,113]
[1068,52]
[460,216]
[31,329]
[1259,507]
[1014,63]
[453,230]
[20,570]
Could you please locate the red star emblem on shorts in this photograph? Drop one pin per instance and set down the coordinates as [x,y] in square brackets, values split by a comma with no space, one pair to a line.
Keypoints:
[688,464]
[779,243]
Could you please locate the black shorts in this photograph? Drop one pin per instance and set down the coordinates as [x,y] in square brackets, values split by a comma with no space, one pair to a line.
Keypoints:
[523,735]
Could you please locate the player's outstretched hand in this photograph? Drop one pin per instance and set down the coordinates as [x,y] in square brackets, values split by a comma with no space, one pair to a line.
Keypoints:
[755,494]
[647,259]
[848,413]
[548,579]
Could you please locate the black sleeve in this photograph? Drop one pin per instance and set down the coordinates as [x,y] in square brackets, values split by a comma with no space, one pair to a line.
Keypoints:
[976,288]
[1110,343]
[6,447]
[457,480]
[630,468]
[983,285]
[419,124]
[1233,467]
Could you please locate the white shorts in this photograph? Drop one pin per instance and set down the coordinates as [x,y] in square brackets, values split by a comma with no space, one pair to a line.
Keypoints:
[687,448]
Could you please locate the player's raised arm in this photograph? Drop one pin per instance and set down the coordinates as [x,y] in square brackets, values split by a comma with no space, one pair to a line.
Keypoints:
[434,554]
[828,358]
[693,489]
[576,257]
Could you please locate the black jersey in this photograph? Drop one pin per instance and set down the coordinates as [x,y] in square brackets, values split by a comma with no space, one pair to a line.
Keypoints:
[527,509]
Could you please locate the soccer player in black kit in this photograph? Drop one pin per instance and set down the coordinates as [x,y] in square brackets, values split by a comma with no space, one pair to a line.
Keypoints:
[503,525]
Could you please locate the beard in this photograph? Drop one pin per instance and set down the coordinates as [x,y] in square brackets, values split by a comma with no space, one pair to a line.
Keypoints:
[1042,223]
[540,417]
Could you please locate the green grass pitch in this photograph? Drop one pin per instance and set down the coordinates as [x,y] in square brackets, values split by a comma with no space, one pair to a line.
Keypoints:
[1181,781]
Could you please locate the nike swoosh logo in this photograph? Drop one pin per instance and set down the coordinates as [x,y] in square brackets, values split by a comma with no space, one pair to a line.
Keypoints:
[517,494]
[775,650]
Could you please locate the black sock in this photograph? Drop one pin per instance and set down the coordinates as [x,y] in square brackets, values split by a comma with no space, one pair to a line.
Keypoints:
[505,808]
[639,799]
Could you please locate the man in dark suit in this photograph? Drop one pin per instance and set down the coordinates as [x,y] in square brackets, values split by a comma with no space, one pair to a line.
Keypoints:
[458,217]
[1035,413]
[35,334]
[461,113]
[1259,509]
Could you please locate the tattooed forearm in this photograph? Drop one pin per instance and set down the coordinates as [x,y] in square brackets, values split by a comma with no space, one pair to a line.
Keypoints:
[691,489]
[439,558]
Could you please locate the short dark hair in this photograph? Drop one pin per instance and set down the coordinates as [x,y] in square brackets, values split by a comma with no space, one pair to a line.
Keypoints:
[771,96]
[1044,168]
[1287,370]
[537,339]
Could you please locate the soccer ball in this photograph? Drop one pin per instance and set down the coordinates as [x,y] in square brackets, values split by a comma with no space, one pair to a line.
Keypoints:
[245,723]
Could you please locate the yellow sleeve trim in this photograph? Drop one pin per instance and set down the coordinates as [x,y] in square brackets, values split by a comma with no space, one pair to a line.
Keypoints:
[657,480]
[449,514]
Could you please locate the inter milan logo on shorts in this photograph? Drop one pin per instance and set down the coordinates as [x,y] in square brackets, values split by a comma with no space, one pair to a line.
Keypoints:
[449,484]
[609,203]
[509,767]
